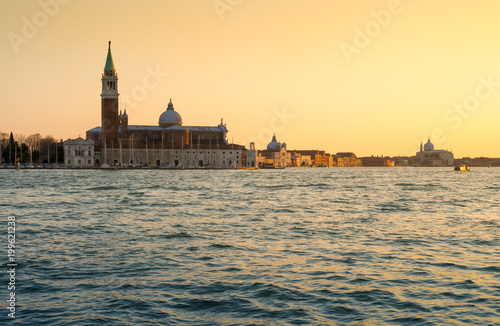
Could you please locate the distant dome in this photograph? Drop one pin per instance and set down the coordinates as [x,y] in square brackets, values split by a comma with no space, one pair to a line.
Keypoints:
[170,117]
[428,146]
[274,145]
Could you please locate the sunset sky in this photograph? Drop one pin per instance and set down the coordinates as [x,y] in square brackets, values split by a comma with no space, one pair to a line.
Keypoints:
[371,77]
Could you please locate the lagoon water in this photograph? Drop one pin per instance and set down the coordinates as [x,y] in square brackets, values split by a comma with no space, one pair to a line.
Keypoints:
[367,246]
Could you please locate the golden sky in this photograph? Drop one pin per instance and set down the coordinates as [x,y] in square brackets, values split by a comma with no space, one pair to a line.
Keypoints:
[372,77]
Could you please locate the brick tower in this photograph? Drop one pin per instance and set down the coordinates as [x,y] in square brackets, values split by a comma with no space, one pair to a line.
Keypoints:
[109,104]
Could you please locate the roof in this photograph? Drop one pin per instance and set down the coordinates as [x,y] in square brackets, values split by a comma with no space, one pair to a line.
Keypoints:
[345,154]
[109,60]
[158,128]
[96,129]
[436,151]
[193,128]
[79,141]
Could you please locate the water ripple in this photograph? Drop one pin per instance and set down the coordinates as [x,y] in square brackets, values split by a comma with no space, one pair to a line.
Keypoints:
[271,247]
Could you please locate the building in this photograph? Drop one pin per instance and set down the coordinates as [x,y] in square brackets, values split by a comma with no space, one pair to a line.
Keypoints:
[374,161]
[428,156]
[168,143]
[314,158]
[275,156]
[348,160]
[79,153]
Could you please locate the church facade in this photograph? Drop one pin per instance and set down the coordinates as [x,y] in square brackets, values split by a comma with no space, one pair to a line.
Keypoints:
[167,144]
[428,156]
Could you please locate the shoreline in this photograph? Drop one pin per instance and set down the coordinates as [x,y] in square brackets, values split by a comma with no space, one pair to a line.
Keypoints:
[201,169]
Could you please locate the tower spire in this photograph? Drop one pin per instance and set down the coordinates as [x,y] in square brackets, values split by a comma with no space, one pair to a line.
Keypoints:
[109,60]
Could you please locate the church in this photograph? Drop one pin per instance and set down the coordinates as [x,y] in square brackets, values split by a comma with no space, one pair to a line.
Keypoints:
[428,156]
[167,144]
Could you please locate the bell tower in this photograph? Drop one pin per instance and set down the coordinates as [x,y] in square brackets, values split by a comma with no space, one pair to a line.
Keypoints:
[109,103]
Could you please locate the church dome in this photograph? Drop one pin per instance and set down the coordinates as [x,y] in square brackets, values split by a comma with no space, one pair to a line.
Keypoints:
[428,146]
[274,145]
[170,117]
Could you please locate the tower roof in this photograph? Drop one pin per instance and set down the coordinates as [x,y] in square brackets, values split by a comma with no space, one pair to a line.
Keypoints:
[109,60]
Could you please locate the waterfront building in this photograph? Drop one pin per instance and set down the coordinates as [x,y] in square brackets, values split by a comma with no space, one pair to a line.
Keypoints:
[375,161]
[428,156]
[275,155]
[79,153]
[251,161]
[348,159]
[314,158]
[167,144]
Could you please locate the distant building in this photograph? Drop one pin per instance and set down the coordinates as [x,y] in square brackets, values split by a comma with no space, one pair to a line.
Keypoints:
[375,161]
[348,160]
[79,153]
[478,161]
[168,143]
[428,156]
[315,158]
[401,161]
[275,156]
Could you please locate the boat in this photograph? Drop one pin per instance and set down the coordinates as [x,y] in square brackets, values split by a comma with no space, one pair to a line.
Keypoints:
[462,168]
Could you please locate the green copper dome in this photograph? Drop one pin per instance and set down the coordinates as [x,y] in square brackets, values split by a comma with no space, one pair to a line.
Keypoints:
[109,60]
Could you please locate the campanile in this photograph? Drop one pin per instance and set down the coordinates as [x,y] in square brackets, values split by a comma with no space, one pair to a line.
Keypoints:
[109,103]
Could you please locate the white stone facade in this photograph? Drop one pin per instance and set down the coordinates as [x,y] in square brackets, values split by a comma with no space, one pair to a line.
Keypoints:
[172,158]
[79,153]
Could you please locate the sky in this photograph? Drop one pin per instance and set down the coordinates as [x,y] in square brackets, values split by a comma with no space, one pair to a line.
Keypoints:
[369,77]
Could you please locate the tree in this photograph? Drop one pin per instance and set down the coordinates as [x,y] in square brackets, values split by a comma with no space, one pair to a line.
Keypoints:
[12,149]
[46,148]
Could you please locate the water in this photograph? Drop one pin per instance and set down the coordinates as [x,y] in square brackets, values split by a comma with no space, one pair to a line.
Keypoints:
[305,246]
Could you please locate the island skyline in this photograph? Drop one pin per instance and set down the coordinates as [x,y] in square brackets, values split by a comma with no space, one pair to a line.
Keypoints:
[366,78]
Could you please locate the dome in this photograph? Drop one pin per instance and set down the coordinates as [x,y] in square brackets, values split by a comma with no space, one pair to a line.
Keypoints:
[274,145]
[170,117]
[428,146]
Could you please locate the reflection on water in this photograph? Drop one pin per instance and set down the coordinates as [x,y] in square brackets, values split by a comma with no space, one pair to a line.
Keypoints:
[296,246]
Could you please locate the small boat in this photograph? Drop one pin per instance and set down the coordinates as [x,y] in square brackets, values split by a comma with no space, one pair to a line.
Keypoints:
[462,168]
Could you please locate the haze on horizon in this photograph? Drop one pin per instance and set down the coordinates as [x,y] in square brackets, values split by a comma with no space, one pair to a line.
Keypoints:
[371,77]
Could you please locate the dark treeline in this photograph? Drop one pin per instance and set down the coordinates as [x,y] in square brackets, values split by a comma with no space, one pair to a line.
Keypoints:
[33,148]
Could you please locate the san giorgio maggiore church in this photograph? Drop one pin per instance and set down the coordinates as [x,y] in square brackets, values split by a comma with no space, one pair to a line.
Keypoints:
[167,144]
